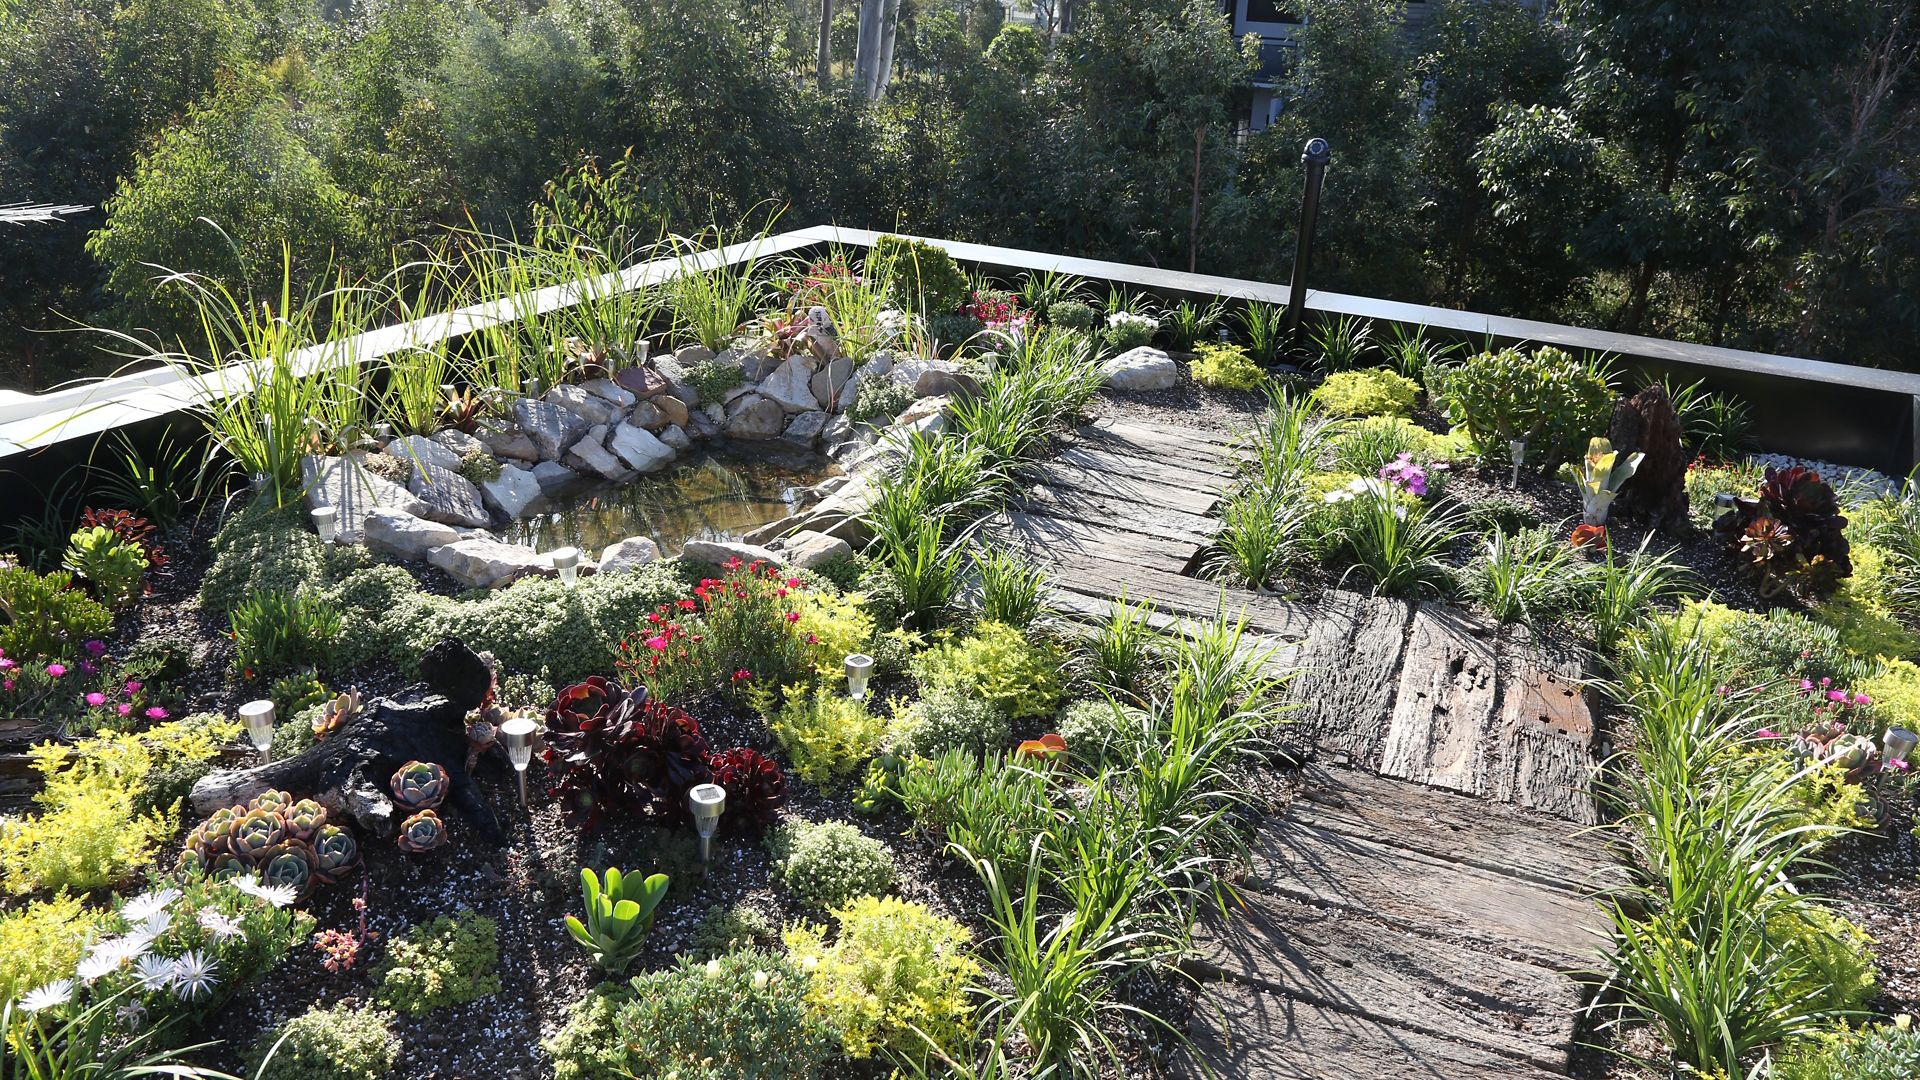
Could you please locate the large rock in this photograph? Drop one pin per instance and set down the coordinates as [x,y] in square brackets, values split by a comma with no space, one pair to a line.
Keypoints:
[805,429]
[459,442]
[788,385]
[556,479]
[590,455]
[1144,368]
[610,392]
[630,554]
[551,428]
[592,409]
[506,441]
[719,551]
[647,415]
[829,382]
[639,448]
[449,497]
[345,485]
[676,437]
[689,355]
[422,450]
[701,425]
[944,382]
[488,564]
[908,372]
[807,549]
[754,365]
[1657,490]
[755,417]
[404,536]
[671,409]
[513,492]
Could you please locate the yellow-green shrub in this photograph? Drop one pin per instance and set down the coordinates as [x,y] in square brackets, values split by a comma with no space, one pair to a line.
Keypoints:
[1366,392]
[1895,693]
[1225,367]
[1839,974]
[998,663]
[826,734]
[1859,611]
[897,971]
[836,625]
[42,942]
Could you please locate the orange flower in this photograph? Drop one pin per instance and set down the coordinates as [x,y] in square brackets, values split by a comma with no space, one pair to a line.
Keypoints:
[1584,535]
[1046,748]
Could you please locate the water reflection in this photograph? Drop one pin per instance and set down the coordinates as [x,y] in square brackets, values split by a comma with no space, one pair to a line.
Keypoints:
[706,495]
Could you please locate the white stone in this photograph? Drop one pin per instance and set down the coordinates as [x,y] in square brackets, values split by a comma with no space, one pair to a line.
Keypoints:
[459,442]
[353,492]
[807,549]
[830,382]
[512,492]
[788,385]
[404,536]
[422,450]
[611,392]
[630,554]
[582,404]
[718,552]
[641,449]
[676,437]
[449,497]
[506,441]
[488,564]
[555,478]
[1144,368]
[551,428]
[590,455]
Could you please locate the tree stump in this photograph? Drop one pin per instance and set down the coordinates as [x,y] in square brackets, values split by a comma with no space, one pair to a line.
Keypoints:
[1657,491]
[348,772]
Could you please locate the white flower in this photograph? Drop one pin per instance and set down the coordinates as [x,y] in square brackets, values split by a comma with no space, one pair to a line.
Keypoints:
[809,962]
[193,976]
[713,969]
[759,980]
[1128,318]
[131,1015]
[58,992]
[154,972]
[222,927]
[154,925]
[148,904]
[97,964]
[277,895]
[126,947]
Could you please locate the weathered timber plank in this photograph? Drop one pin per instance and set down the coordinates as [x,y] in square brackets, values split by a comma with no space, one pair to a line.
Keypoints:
[1168,432]
[1243,1033]
[1348,667]
[1163,473]
[1180,595]
[1095,509]
[1434,896]
[1542,740]
[1357,965]
[1460,828]
[1171,447]
[1443,709]
[1062,540]
[1185,497]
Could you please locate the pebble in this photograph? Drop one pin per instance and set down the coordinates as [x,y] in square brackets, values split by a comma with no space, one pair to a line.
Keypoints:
[1871,481]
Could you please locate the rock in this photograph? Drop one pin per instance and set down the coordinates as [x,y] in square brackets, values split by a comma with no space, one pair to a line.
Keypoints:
[459,442]
[551,428]
[829,381]
[488,564]
[939,382]
[838,430]
[754,365]
[714,411]
[672,409]
[807,549]
[610,392]
[718,552]
[506,441]
[422,450]
[630,554]
[701,425]
[788,386]
[404,536]
[350,489]
[804,430]
[513,492]
[639,448]
[1144,368]
[755,417]
[590,455]
[647,414]
[908,372]
[582,404]
[556,479]
[643,382]
[880,363]
[689,355]
[449,497]
[1657,490]
[676,437]
[917,412]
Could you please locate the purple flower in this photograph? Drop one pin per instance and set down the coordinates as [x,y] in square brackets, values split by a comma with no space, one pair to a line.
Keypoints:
[124,709]
[88,667]
[133,686]
[96,647]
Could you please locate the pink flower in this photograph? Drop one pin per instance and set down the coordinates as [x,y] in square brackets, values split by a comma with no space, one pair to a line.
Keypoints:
[793,583]
[1836,695]
[156,713]
[96,698]
[7,685]
[1806,684]
[1766,733]
[656,643]
[1825,682]
[6,662]
[96,647]
[88,667]
[742,675]
[793,616]
[133,686]
[1901,764]
[1862,699]
[56,670]
[124,709]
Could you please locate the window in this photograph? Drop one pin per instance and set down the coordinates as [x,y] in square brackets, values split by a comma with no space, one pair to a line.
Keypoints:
[1270,11]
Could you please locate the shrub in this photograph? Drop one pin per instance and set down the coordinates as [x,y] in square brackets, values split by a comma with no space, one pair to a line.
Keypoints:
[925,279]
[1838,975]
[832,626]
[449,961]
[1883,1052]
[826,734]
[713,378]
[114,568]
[275,632]
[339,1042]
[1128,330]
[738,1015]
[479,466]
[1366,392]
[1792,530]
[998,664]
[829,864]
[43,941]
[1225,367]
[49,618]
[179,754]
[613,750]
[1363,446]
[1894,690]
[1545,397]
[1098,731]
[881,397]
[264,549]
[1525,575]
[946,719]
[736,926]
[1012,590]
[1859,613]
[1392,540]
[1071,315]
[895,979]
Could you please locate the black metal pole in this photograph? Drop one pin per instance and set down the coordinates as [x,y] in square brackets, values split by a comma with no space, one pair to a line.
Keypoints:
[1314,158]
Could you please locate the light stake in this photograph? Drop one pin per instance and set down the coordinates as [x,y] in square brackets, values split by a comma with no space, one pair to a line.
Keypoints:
[859,668]
[707,801]
[1897,744]
[567,561]
[326,522]
[258,717]
[1518,449]
[516,736]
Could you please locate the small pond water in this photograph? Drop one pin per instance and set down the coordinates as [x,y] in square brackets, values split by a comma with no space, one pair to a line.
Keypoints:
[705,495]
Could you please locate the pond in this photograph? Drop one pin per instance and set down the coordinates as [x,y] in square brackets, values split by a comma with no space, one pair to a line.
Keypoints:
[706,495]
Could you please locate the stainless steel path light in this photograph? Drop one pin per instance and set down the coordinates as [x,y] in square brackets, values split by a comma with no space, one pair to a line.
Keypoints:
[707,801]
[258,718]
[516,737]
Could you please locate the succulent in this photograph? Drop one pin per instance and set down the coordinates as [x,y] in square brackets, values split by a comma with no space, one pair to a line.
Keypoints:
[337,713]
[420,785]
[226,865]
[1599,476]
[756,788]
[619,914]
[289,863]
[1047,747]
[271,800]
[254,834]
[190,861]
[612,749]
[335,854]
[304,820]
[1792,530]
[422,833]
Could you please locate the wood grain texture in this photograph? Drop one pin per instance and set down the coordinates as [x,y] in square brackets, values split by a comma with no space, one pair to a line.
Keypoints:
[1349,666]
[1541,743]
[1444,702]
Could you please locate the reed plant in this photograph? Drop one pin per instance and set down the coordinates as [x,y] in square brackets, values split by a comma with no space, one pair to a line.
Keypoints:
[1397,544]
[1263,327]
[712,300]
[1525,576]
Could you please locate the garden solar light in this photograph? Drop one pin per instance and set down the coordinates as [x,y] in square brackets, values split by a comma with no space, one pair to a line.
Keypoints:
[1517,448]
[567,561]
[706,801]
[1897,744]
[258,717]
[516,735]
[859,667]
[326,522]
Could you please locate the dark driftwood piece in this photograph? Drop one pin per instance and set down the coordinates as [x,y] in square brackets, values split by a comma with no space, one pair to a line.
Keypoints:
[1657,491]
[349,772]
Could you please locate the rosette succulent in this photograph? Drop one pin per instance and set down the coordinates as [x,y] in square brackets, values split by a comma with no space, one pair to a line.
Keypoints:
[289,863]
[271,800]
[1792,530]
[422,833]
[610,749]
[337,714]
[254,834]
[756,787]
[335,854]
[304,820]
[420,785]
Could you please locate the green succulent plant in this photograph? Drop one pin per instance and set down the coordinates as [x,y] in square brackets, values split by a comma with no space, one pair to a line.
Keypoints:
[112,567]
[619,914]
[420,785]
[1599,476]
[304,820]
[271,800]
[422,833]
[254,834]
[335,854]
[289,863]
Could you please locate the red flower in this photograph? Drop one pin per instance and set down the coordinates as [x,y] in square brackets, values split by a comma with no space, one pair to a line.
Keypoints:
[1583,535]
[1045,748]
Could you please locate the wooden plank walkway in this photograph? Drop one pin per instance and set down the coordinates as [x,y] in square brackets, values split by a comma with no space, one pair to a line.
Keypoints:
[1422,908]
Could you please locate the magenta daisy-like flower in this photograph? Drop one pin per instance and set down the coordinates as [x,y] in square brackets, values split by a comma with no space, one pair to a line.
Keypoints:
[56,669]
[96,698]
[156,713]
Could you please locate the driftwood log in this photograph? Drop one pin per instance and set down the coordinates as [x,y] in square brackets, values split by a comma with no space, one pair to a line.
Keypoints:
[348,773]
[1657,491]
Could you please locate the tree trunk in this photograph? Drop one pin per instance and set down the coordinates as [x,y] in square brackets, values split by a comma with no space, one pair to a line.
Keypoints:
[825,67]
[867,45]
[1193,217]
[889,27]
